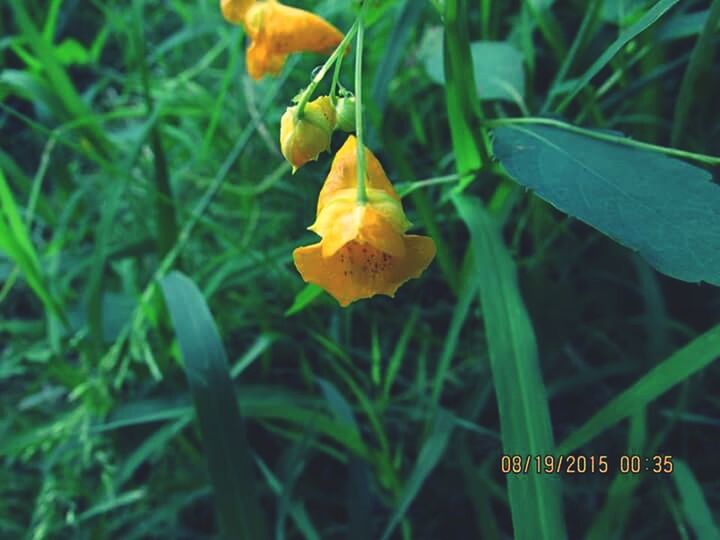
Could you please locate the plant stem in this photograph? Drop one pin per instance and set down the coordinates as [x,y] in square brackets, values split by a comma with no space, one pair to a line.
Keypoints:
[702,158]
[320,75]
[361,165]
[335,79]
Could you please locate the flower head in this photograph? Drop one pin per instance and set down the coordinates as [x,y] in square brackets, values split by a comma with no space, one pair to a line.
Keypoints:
[302,139]
[277,30]
[364,250]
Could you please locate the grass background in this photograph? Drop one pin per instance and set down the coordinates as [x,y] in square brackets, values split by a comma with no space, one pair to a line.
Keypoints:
[133,142]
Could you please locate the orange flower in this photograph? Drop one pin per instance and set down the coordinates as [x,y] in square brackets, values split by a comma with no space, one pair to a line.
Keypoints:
[364,250]
[277,30]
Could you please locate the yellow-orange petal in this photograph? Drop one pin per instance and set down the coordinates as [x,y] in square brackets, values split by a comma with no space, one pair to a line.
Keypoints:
[261,61]
[234,10]
[291,29]
[343,174]
[380,233]
[361,271]
[277,30]
[380,222]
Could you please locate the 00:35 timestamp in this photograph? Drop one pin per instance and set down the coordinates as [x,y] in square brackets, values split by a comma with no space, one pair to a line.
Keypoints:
[585,464]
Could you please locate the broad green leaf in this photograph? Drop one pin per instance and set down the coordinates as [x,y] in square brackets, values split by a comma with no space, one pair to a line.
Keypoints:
[497,66]
[206,366]
[666,209]
[679,366]
[694,505]
[526,430]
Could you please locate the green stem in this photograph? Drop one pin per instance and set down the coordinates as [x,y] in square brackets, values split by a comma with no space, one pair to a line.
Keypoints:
[702,158]
[335,80]
[164,205]
[320,75]
[361,165]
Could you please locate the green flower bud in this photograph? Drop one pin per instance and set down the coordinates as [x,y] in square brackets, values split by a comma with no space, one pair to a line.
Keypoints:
[345,111]
[302,140]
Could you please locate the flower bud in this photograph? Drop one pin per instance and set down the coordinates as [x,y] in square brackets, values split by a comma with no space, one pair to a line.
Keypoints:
[302,140]
[345,110]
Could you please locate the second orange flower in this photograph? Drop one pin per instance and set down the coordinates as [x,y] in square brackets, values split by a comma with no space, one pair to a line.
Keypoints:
[277,30]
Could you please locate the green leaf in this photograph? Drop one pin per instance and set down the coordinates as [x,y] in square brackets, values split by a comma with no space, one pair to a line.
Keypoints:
[497,66]
[535,500]
[228,454]
[71,51]
[679,366]
[694,504]
[304,298]
[15,242]
[665,209]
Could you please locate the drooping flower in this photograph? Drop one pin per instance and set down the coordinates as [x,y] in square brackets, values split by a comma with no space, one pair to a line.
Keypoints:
[364,250]
[302,140]
[276,30]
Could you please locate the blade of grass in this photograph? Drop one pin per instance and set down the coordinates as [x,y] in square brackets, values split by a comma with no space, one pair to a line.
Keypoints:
[466,295]
[610,521]
[694,504]
[430,454]
[535,500]
[74,106]
[679,366]
[206,366]
[167,230]
[647,20]
[15,242]
[700,62]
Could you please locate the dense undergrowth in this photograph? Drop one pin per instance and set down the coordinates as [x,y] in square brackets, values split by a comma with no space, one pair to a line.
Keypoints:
[133,144]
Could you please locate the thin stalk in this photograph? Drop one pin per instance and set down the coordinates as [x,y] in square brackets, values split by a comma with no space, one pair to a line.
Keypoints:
[702,158]
[164,206]
[320,75]
[335,80]
[361,165]
[700,62]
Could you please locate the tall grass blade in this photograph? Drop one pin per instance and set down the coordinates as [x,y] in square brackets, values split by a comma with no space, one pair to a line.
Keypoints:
[647,20]
[206,366]
[535,500]
[430,454]
[15,243]
[694,504]
[679,366]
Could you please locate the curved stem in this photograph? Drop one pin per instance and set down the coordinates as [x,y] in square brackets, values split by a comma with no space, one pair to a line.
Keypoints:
[361,165]
[308,92]
[702,158]
[335,79]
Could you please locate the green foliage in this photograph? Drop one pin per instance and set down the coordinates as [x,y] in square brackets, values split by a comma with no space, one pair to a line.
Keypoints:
[208,373]
[137,402]
[535,500]
[625,193]
[497,65]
